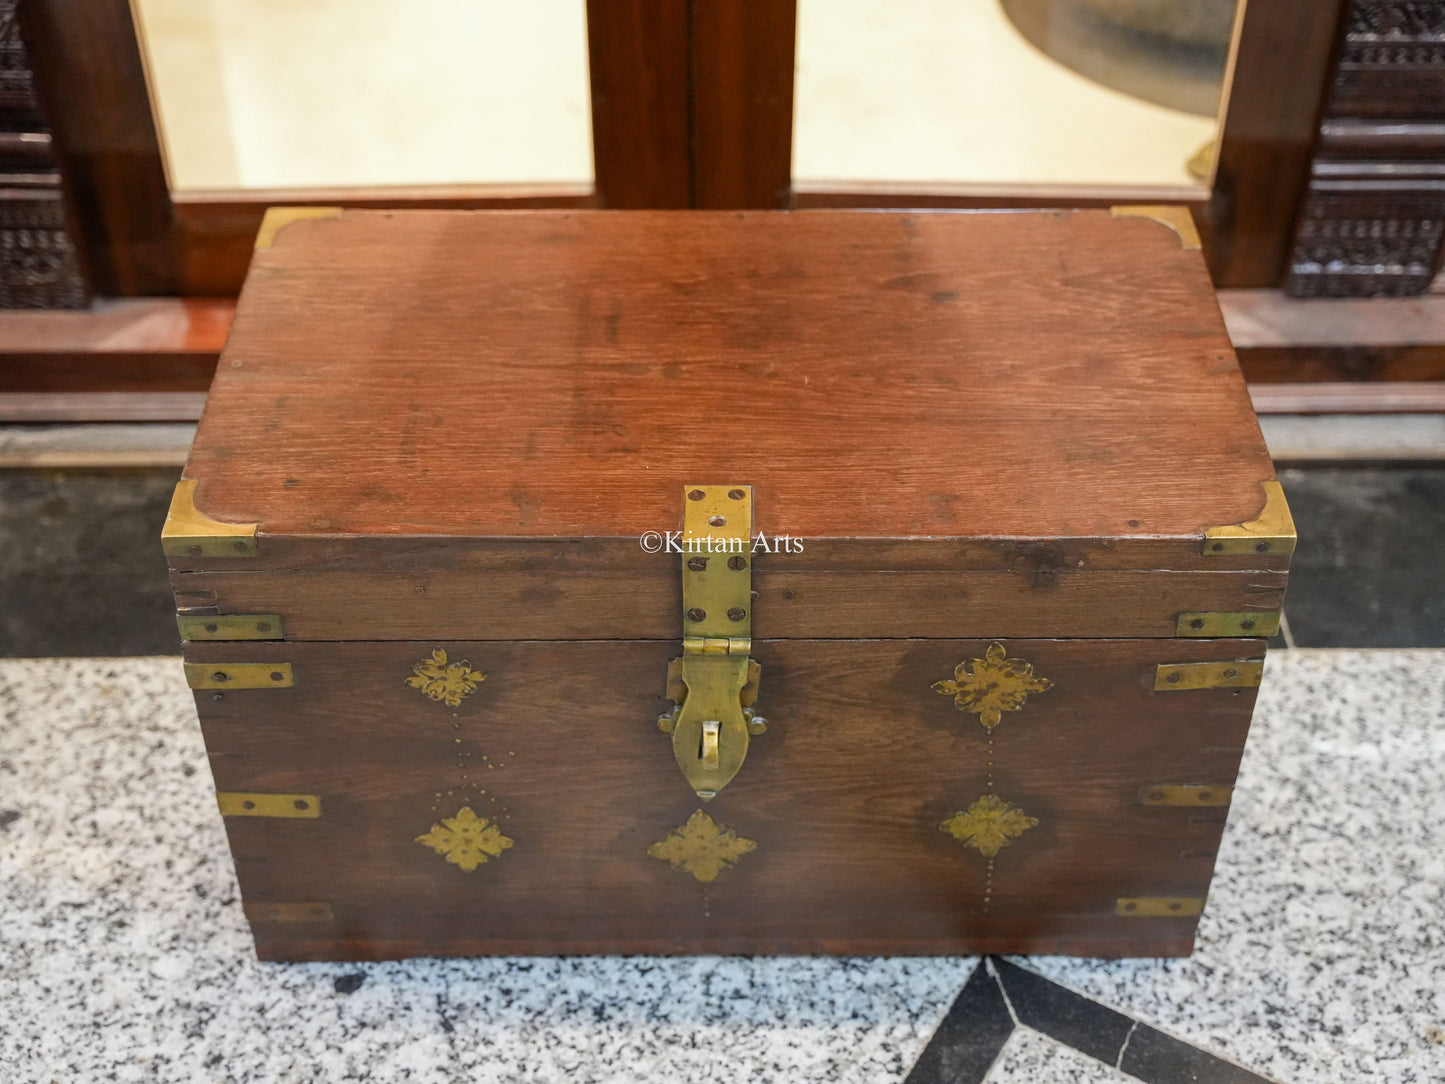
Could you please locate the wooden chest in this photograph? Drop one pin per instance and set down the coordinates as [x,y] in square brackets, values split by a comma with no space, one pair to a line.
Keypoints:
[726,583]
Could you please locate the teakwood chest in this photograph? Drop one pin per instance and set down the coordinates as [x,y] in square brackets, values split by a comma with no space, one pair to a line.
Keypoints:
[726,583]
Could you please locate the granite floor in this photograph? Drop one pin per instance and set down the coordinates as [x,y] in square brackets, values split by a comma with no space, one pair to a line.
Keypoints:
[124,955]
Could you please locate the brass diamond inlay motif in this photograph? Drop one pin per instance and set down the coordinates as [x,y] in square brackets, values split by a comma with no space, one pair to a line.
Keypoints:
[444,681]
[989,825]
[992,685]
[701,847]
[466,840]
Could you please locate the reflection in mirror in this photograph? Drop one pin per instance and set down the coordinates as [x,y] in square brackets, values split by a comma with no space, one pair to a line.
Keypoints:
[987,95]
[298,94]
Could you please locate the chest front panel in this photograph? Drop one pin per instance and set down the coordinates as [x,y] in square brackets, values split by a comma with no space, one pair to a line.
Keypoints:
[908,796]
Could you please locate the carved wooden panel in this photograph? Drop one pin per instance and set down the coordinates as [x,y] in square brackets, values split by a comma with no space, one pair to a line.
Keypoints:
[1372,220]
[39,268]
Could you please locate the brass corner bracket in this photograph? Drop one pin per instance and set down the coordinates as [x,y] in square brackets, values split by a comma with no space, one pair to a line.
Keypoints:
[189,532]
[277,218]
[1173,215]
[1272,532]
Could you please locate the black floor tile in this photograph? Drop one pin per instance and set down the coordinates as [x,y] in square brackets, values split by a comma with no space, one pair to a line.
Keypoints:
[1061,1014]
[1157,1058]
[81,569]
[1369,570]
[970,1037]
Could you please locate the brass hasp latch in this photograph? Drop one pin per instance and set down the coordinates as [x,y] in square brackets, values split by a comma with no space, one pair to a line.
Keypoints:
[714,684]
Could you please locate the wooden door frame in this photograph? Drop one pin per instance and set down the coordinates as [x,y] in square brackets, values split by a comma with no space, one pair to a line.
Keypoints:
[692,107]
[136,237]
[1283,65]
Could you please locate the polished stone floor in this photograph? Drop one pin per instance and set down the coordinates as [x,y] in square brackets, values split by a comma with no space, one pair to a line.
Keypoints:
[124,955]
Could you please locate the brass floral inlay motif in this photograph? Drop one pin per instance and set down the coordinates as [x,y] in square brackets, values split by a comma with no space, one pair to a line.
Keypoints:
[466,840]
[701,847]
[989,825]
[444,681]
[992,685]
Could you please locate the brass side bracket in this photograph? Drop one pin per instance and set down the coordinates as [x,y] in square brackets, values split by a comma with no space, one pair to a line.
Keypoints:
[1249,623]
[229,626]
[239,675]
[1174,215]
[235,804]
[1241,674]
[188,532]
[1271,532]
[1190,795]
[268,912]
[1160,906]
[714,683]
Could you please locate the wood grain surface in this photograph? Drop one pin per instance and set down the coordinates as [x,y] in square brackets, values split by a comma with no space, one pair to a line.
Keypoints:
[549,603]
[1046,375]
[843,796]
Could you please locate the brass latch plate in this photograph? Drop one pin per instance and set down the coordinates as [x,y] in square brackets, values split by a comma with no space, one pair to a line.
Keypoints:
[1244,674]
[239,675]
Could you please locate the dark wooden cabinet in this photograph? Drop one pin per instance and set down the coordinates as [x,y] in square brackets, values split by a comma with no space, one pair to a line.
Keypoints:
[1373,214]
[39,266]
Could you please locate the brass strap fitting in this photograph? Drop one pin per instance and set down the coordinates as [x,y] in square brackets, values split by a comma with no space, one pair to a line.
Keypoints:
[714,682]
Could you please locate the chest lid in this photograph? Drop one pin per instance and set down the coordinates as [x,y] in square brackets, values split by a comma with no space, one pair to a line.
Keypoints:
[1017,423]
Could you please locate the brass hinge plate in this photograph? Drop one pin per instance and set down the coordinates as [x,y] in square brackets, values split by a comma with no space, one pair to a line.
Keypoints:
[188,532]
[1272,532]
[1195,796]
[236,804]
[1160,906]
[1244,674]
[1255,623]
[716,563]
[229,626]
[239,675]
